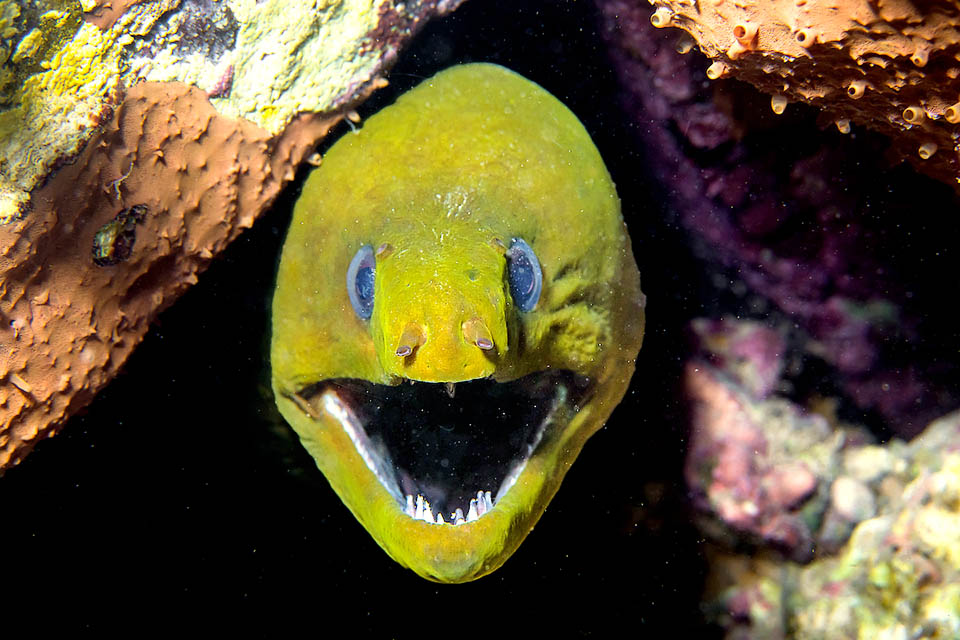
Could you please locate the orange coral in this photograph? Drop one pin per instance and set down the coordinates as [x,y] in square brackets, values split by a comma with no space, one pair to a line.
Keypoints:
[68,323]
[891,65]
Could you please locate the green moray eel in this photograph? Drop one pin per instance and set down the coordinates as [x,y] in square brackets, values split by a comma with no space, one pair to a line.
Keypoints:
[468,236]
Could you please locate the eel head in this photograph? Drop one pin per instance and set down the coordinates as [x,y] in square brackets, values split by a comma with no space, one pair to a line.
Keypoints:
[457,310]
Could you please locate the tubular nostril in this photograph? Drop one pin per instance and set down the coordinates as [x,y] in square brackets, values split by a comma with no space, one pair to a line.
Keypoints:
[476,332]
[411,338]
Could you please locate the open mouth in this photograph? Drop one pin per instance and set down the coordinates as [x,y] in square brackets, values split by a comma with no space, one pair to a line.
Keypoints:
[448,453]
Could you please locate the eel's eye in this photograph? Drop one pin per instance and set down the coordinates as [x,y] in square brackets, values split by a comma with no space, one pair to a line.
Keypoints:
[524,275]
[360,277]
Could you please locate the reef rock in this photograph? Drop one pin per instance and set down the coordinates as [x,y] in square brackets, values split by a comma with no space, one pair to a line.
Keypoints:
[898,575]
[758,470]
[137,139]
[889,65]
[848,538]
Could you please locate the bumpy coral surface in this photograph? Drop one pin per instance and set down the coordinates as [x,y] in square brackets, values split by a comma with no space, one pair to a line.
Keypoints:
[136,140]
[898,575]
[888,65]
[760,469]
[877,525]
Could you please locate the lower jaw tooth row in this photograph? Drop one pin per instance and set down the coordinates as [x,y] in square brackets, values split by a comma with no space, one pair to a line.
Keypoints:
[419,509]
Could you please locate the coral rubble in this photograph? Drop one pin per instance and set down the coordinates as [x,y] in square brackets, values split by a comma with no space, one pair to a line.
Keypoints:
[898,574]
[760,468]
[852,539]
[137,139]
[888,65]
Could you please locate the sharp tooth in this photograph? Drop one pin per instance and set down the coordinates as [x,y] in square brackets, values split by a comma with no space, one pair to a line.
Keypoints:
[426,513]
[418,514]
[450,389]
[481,504]
[440,519]
[472,513]
[457,516]
[488,500]
[410,510]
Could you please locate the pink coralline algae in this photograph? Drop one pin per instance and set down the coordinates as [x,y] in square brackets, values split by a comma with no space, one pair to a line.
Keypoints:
[895,573]
[848,538]
[757,470]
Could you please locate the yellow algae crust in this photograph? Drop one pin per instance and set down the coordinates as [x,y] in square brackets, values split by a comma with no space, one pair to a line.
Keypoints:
[55,110]
[888,65]
[283,58]
[289,57]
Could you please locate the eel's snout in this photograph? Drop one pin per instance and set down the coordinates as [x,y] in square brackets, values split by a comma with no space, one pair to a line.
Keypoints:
[443,350]
[444,333]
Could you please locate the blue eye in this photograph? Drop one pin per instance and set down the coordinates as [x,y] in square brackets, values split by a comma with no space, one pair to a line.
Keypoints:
[524,275]
[361,275]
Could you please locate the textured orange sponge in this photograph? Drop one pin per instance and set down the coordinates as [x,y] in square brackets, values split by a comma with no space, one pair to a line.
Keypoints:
[181,182]
[890,65]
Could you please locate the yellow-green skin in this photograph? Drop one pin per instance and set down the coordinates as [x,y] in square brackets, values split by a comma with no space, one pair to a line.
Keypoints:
[447,176]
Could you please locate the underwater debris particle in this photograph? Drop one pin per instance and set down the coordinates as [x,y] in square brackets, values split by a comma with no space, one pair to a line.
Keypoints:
[113,243]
